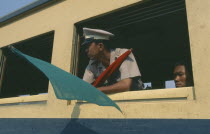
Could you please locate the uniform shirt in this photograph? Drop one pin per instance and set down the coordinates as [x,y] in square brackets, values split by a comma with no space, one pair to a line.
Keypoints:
[128,69]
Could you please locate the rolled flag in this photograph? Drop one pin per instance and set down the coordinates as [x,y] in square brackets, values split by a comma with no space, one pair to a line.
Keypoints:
[67,86]
[111,68]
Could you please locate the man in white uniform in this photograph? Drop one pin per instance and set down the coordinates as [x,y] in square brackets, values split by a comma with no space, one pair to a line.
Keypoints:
[127,77]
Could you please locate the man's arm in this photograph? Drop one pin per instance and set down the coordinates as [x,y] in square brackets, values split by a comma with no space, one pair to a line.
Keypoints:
[121,86]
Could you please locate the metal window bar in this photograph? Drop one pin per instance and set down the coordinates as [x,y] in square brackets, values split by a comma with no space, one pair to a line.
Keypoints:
[154,10]
[156,13]
[162,4]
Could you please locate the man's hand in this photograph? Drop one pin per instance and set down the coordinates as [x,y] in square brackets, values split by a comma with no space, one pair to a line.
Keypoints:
[121,86]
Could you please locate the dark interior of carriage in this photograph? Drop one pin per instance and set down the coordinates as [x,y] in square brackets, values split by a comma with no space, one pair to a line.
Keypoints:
[156,30]
[19,77]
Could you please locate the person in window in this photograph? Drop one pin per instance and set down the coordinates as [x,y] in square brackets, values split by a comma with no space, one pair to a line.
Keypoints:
[127,77]
[182,75]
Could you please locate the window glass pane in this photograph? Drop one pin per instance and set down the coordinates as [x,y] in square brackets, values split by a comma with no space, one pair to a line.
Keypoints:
[12,8]
[9,6]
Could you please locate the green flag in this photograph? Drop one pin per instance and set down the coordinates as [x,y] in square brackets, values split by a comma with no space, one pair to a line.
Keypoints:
[67,86]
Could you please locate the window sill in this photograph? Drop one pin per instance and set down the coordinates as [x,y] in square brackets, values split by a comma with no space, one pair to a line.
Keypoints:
[173,93]
[24,99]
[185,93]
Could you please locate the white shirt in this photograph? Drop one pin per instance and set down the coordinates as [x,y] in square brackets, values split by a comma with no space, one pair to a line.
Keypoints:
[128,69]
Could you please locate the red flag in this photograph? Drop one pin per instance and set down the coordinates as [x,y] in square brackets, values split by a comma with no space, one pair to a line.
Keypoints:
[111,68]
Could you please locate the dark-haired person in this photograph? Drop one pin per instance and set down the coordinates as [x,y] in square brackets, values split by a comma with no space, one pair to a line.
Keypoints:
[182,75]
[127,77]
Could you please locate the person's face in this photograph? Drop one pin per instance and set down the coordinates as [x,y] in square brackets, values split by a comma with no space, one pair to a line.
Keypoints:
[92,50]
[180,76]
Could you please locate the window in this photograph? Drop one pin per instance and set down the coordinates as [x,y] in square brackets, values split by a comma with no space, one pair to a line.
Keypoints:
[157,31]
[18,8]
[18,77]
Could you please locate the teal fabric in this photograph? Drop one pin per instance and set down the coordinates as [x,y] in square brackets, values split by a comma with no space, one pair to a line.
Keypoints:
[67,86]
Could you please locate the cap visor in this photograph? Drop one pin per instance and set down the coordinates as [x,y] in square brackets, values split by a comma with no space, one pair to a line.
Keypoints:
[87,41]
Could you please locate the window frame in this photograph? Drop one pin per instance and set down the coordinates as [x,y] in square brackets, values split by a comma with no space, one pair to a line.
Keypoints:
[184,93]
[29,99]
[24,100]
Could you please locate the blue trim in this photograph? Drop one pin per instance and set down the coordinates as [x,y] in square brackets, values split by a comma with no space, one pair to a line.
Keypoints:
[104,126]
[24,9]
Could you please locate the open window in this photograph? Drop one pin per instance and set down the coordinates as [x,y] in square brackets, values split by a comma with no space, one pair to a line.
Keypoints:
[18,77]
[157,30]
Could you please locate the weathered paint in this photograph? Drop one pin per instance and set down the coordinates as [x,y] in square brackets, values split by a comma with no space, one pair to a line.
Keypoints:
[187,103]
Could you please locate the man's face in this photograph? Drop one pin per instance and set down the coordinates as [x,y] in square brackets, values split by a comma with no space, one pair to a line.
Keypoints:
[92,50]
[180,76]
